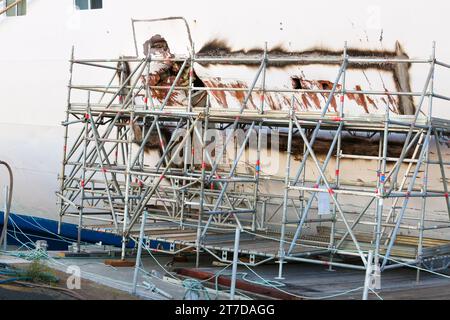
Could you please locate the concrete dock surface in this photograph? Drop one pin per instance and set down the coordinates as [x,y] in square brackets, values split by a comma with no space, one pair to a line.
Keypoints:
[302,281]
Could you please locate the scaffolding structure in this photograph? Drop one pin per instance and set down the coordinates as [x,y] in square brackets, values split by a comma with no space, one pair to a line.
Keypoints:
[106,183]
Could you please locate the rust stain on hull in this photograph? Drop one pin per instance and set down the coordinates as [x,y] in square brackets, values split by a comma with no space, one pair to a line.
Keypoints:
[218,95]
[279,101]
[400,71]
[221,96]
[307,101]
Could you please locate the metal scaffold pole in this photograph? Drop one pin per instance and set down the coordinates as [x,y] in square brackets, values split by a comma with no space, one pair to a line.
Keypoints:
[235,263]
[141,242]
[66,136]
[427,165]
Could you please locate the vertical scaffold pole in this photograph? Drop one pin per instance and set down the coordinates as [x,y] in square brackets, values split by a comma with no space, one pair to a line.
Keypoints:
[139,252]
[427,164]
[338,157]
[368,278]
[189,152]
[202,191]
[286,192]
[127,188]
[235,263]
[381,190]
[259,142]
[83,173]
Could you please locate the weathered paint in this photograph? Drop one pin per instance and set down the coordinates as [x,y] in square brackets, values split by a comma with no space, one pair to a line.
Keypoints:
[398,73]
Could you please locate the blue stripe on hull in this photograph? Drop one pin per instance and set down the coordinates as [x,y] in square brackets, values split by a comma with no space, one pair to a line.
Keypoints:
[46,229]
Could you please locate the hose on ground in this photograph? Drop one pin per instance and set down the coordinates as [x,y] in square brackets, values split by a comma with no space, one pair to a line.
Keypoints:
[8,202]
[11,280]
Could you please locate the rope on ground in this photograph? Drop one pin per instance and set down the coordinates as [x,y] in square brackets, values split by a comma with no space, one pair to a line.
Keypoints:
[195,290]
[304,297]
[117,283]
[375,293]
